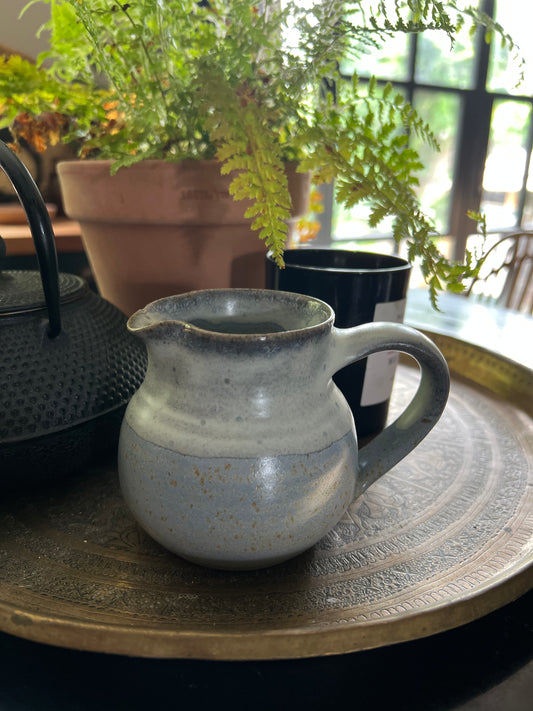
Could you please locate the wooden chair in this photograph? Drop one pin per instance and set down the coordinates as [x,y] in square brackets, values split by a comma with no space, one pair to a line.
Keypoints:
[506,277]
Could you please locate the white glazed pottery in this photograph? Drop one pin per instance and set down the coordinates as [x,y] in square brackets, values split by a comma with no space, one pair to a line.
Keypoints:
[238,451]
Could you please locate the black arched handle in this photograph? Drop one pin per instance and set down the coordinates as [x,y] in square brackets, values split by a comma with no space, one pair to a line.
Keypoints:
[41,231]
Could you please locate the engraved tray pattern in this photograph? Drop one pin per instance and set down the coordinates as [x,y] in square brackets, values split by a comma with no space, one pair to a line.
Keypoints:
[442,539]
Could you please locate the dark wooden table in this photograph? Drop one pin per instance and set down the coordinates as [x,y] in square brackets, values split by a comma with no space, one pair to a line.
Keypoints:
[486,665]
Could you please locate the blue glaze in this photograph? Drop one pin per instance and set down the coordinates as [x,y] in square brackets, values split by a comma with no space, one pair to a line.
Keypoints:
[236,512]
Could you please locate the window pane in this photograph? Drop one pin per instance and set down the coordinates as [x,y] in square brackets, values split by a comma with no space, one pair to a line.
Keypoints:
[527,218]
[349,224]
[442,111]
[353,224]
[504,68]
[389,62]
[439,64]
[505,165]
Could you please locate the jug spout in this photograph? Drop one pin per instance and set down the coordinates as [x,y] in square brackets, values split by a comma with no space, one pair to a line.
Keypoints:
[151,321]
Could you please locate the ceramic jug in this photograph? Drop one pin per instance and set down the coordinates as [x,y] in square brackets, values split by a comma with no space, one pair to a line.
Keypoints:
[238,451]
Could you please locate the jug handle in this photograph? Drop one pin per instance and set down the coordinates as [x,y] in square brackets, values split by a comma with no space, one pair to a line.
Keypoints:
[420,416]
[41,231]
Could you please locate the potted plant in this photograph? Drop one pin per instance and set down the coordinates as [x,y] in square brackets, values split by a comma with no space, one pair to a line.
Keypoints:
[155,93]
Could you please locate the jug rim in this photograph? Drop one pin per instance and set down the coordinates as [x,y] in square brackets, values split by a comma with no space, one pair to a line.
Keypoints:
[319,314]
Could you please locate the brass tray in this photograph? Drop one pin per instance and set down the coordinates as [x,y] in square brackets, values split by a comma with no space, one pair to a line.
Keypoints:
[442,539]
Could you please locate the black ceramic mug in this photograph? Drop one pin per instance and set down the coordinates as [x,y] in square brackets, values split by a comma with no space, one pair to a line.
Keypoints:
[360,287]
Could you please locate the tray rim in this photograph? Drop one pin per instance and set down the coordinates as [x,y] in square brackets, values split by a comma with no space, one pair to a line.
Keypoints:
[144,640]
[151,642]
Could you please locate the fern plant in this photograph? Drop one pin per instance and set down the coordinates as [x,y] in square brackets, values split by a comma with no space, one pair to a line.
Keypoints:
[240,81]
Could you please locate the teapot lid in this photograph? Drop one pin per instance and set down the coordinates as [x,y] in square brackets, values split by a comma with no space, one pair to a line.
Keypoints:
[22,291]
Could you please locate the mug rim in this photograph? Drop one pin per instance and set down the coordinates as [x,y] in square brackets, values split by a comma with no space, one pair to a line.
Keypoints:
[401,263]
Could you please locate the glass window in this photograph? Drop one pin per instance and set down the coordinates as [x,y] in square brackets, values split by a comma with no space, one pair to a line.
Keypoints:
[505,68]
[349,224]
[505,166]
[439,64]
[527,220]
[482,120]
[442,111]
[388,62]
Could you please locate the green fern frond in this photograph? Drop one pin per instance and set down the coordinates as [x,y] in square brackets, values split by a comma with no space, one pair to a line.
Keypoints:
[240,123]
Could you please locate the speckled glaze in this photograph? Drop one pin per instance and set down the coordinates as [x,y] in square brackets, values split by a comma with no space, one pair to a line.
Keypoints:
[238,451]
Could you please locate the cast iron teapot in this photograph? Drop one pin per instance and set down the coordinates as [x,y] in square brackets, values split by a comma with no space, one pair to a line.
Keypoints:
[68,365]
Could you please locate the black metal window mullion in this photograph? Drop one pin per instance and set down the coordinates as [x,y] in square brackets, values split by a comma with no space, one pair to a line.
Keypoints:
[411,66]
[474,133]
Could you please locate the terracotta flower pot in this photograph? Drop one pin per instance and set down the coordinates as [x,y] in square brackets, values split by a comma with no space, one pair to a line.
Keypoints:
[156,228]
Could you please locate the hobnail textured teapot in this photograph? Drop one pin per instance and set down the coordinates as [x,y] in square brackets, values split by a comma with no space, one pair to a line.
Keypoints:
[68,365]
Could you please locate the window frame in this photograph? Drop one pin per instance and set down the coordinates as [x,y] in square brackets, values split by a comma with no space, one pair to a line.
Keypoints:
[473,138]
